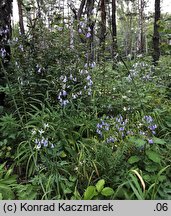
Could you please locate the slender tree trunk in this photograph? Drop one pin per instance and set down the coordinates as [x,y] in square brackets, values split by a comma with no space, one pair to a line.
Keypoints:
[141,38]
[20,11]
[89,9]
[103,25]
[5,35]
[71,31]
[114,31]
[39,8]
[156,36]
[130,33]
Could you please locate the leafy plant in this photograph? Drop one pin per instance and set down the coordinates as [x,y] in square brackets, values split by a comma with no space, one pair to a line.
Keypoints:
[8,183]
[98,191]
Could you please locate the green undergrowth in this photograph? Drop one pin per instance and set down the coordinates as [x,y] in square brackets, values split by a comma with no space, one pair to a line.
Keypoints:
[75,131]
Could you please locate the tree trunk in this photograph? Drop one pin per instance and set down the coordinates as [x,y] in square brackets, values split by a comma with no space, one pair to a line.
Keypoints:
[20,11]
[156,36]
[38,6]
[91,23]
[80,11]
[72,31]
[103,25]
[114,31]
[141,38]
[5,35]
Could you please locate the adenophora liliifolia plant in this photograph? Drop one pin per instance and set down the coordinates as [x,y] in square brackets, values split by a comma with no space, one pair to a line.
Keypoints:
[114,129]
[77,83]
[40,138]
[24,129]
[133,81]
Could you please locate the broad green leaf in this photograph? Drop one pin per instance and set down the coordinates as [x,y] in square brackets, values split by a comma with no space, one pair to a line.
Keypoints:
[133,159]
[158,141]
[107,191]
[90,193]
[152,167]
[137,142]
[154,156]
[100,185]
[140,142]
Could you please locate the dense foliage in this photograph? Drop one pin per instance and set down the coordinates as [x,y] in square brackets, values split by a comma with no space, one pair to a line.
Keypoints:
[73,128]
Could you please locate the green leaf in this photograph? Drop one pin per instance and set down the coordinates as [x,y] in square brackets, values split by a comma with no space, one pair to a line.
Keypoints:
[107,191]
[1,196]
[8,181]
[133,159]
[90,193]
[140,142]
[137,142]
[26,192]
[77,195]
[4,187]
[72,178]
[168,124]
[161,29]
[146,177]
[158,141]
[162,170]
[139,197]
[100,185]
[62,154]
[7,192]
[154,156]
[162,178]
[151,167]
[67,191]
